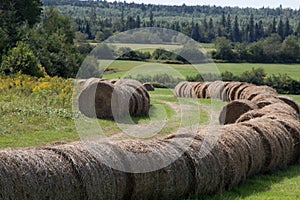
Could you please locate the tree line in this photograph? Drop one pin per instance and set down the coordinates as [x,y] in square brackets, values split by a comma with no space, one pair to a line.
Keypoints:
[100,19]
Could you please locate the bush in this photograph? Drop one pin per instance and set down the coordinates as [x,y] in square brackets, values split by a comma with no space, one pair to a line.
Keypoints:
[21,59]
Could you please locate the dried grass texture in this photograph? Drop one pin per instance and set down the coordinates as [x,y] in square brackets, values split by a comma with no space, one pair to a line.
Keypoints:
[252,91]
[233,110]
[98,180]
[216,89]
[170,182]
[278,144]
[291,102]
[37,174]
[95,99]
[178,90]
[276,108]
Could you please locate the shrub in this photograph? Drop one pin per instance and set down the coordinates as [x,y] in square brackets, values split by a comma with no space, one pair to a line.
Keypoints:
[21,59]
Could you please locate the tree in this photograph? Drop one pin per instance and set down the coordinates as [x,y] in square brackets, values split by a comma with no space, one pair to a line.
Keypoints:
[55,22]
[228,27]
[151,23]
[281,29]
[21,59]
[290,49]
[287,28]
[236,36]
[138,22]
[252,36]
[224,49]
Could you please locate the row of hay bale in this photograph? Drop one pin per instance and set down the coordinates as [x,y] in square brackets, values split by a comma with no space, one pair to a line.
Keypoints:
[212,162]
[226,91]
[261,139]
[112,98]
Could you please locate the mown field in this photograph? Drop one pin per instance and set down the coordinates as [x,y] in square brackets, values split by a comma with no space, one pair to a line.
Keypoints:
[35,112]
[122,67]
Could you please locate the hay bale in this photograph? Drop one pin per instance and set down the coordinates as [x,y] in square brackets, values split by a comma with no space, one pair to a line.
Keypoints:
[95,99]
[92,163]
[233,110]
[196,89]
[237,152]
[240,89]
[178,90]
[291,102]
[234,86]
[227,88]
[171,181]
[203,91]
[148,86]
[252,144]
[252,91]
[216,89]
[292,125]
[278,145]
[276,108]
[37,174]
[265,100]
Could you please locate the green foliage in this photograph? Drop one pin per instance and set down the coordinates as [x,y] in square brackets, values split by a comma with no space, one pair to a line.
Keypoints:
[21,59]
[255,76]
[224,49]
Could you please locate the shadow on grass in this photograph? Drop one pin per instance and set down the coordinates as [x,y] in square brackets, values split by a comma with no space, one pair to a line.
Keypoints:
[254,187]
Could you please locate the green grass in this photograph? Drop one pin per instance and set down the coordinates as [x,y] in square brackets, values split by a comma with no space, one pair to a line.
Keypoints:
[280,185]
[135,67]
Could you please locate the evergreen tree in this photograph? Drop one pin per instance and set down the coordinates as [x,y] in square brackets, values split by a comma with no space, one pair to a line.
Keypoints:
[287,28]
[251,30]
[138,22]
[151,24]
[228,27]
[280,29]
[236,30]
[273,29]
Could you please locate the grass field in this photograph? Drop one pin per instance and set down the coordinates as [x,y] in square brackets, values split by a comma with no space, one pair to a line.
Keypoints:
[44,116]
[123,67]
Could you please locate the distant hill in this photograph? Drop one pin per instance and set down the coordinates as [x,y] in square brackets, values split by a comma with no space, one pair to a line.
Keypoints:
[101,19]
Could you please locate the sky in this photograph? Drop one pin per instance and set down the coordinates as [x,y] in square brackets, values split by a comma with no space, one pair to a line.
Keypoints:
[295,4]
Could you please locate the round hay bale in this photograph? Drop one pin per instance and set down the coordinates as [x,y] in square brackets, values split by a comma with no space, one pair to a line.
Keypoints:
[216,89]
[240,89]
[204,91]
[292,125]
[276,108]
[178,90]
[265,100]
[252,91]
[234,86]
[38,174]
[95,99]
[227,88]
[291,102]
[237,153]
[90,161]
[142,94]
[233,110]
[171,181]
[149,86]
[252,143]
[278,145]
[196,89]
